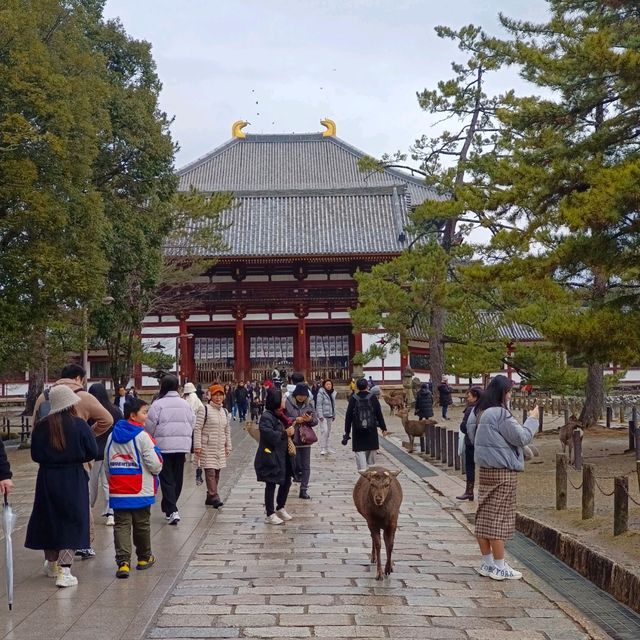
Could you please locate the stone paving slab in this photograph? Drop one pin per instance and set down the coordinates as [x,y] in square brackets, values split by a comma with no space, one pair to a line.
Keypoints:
[311,577]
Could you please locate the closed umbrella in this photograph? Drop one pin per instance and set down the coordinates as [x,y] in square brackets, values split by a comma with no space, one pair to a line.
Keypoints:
[8,521]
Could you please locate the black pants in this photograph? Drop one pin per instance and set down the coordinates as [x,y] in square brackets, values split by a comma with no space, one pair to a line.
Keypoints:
[283,491]
[171,481]
[469,462]
[242,410]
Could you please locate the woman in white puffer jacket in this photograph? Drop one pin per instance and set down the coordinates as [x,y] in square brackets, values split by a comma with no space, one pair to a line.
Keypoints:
[170,422]
[326,411]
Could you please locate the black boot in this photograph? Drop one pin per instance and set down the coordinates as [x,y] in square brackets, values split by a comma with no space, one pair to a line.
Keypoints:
[209,502]
[304,495]
[216,504]
[468,492]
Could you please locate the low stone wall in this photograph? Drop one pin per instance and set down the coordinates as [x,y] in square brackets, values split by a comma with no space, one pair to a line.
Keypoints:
[611,577]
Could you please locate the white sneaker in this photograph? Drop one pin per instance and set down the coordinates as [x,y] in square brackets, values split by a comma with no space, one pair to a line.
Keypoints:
[65,579]
[505,574]
[110,521]
[283,515]
[273,519]
[51,569]
[323,453]
[485,569]
[174,518]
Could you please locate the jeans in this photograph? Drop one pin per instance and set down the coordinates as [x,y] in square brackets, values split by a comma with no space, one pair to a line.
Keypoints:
[303,465]
[283,491]
[469,462]
[140,521]
[325,433]
[445,409]
[171,478]
[365,459]
[242,410]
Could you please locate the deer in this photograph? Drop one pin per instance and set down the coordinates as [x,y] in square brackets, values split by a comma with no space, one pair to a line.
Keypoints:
[414,428]
[395,402]
[377,496]
[566,435]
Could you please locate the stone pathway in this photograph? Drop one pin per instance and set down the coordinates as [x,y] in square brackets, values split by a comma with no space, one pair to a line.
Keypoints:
[311,576]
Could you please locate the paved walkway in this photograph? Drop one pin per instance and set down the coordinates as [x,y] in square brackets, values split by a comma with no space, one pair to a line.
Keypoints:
[227,574]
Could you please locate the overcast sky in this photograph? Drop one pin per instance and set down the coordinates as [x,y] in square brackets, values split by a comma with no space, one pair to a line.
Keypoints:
[285,64]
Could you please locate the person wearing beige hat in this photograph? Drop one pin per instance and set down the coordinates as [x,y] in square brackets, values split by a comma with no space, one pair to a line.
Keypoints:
[212,442]
[61,442]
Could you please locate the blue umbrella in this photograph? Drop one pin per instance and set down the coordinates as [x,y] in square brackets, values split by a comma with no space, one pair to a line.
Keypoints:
[8,522]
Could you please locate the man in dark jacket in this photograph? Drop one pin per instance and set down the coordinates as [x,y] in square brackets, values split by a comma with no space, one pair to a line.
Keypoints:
[445,392]
[424,402]
[363,405]
[6,483]
[241,398]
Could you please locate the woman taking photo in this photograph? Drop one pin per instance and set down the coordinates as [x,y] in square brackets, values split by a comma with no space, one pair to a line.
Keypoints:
[170,422]
[499,442]
[59,524]
[272,463]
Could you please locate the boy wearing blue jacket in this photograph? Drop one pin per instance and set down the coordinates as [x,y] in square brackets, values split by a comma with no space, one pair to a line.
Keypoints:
[133,463]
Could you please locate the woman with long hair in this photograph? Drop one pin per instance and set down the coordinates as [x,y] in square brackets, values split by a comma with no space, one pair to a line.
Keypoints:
[273,464]
[97,475]
[498,439]
[170,422]
[61,443]
[473,395]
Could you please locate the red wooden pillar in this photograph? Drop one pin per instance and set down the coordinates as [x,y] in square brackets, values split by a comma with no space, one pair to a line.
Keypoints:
[301,357]
[240,356]
[183,362]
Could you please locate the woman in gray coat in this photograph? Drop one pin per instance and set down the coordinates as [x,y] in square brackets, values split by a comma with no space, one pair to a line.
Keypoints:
[326,410]
[498,440]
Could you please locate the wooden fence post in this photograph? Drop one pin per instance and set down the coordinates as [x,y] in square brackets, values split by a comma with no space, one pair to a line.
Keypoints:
[577,449]
[432,441]
[588,491]
[541,424]
[561,481]
[437,447]
[524,415]
[443,445]
[609,416]
[632,436]
[620,505]
[450,451]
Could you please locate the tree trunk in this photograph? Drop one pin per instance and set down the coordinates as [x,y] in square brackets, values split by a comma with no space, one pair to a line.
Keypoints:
[436,348]
[37,370]
[594,395]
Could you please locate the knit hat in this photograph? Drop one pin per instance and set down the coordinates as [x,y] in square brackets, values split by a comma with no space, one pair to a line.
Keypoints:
[62,398]
[301,390]
[189,388]
[375,390]
[216,388]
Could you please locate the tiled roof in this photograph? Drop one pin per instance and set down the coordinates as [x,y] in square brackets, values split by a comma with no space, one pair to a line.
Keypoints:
[507,330]
[296,161]
[314,222]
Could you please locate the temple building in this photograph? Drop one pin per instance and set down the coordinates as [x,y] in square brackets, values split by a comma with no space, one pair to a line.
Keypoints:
[306,219]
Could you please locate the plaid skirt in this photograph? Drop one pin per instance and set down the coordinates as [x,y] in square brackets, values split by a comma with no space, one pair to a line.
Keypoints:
[496,513]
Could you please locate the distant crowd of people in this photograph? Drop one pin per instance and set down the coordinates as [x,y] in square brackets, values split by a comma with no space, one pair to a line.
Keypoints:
[88,445]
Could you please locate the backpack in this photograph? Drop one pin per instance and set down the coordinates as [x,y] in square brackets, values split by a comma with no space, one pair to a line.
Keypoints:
[363,414]
[45,406]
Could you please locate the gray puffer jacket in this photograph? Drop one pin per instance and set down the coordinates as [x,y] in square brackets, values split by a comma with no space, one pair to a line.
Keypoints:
[499,438]
[326,404]
[170,422]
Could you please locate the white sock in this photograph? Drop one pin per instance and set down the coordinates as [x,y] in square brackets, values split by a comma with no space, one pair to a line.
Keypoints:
[499,563]
[488,559]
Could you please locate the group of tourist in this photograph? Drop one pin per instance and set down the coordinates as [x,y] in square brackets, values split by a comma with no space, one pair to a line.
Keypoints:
[86,444]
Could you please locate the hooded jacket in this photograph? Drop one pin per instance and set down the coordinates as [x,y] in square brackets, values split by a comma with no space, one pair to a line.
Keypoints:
[89,407]
[133,462]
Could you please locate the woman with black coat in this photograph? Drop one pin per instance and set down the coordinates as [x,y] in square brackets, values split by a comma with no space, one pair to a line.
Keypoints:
[424,402]
[272,463]
[59,524]
[473,395]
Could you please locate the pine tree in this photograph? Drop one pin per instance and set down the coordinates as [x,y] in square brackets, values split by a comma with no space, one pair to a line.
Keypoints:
[572,182]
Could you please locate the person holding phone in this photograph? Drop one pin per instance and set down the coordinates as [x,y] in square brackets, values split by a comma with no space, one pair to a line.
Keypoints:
[299,409]
[499,442]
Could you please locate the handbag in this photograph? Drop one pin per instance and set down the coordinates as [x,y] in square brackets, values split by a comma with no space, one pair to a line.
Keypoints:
[291,448]
[304,436]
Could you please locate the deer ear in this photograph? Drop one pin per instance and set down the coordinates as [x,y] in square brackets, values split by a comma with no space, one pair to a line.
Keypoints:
[396,472]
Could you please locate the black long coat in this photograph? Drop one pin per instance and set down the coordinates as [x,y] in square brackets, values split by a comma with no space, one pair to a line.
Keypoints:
[60,516]
[424,404]
[364,439]
[445,394]
[5,468]
[271,457]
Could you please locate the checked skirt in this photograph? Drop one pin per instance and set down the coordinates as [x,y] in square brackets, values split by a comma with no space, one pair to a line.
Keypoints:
[496,513]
